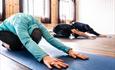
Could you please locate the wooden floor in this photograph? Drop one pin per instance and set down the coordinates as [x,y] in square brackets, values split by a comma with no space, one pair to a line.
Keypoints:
[101,46]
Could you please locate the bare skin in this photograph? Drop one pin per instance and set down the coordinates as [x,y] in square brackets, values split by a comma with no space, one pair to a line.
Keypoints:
[51,62]
[82,34]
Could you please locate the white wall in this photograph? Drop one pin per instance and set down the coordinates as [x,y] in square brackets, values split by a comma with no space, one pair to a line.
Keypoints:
[99,14]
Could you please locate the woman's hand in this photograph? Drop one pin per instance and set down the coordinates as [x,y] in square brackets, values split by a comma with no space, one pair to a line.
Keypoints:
[74,54]
[51,62]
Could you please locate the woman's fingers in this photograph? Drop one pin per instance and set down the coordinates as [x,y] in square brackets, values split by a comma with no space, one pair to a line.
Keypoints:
[54,62]
[84,57]
[77,55]
[59,60]
[64,65]
[59,64]
[73,55]
[48,65]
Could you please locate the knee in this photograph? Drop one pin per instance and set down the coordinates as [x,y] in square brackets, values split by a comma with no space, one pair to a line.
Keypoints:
[36,35]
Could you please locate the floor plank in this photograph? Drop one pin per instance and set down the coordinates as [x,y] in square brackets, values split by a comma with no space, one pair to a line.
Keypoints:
[102,46]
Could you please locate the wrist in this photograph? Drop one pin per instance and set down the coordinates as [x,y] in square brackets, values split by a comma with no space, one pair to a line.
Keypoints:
[46,57]
[69,51]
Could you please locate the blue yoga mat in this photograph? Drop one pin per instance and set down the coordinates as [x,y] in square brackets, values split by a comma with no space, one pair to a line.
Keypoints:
[96,62]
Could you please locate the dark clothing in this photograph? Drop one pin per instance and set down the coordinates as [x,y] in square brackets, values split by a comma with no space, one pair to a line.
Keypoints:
[13,40]
[64,30]
[84,28]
